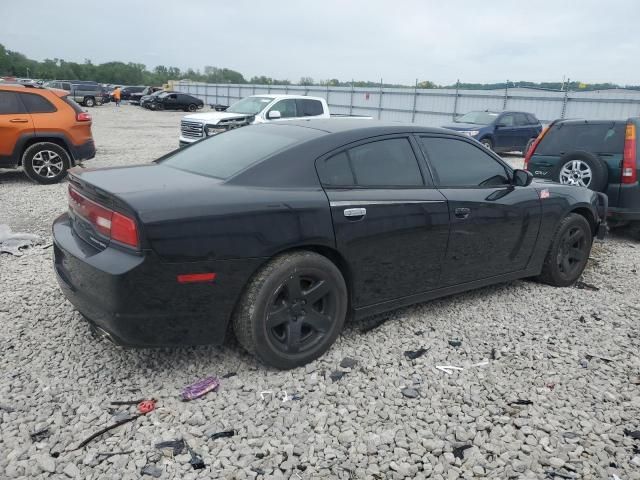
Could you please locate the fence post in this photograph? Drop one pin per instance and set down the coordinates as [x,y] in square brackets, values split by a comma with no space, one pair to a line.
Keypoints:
[286,89]
[455,100]
[206,94]
[380,101]
[351,101]
[415,99]
[216,102]
[506,95]
[228,94]
[328,91]
[565,99]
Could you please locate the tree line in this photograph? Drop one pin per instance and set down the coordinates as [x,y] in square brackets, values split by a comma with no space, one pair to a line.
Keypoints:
[18,65]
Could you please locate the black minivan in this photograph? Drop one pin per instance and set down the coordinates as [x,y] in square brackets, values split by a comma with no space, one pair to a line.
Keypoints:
[601,155]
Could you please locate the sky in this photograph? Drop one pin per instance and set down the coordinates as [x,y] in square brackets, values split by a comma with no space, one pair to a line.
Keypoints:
[397,41]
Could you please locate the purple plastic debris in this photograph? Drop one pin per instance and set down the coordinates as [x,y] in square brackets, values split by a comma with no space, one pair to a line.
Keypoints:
[200,388]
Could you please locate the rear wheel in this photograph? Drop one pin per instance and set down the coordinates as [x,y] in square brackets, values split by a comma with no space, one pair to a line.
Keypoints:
[89,102]
[192,107]
[567,257]
[487,143]
[583,169]
[45,162]
[292,310]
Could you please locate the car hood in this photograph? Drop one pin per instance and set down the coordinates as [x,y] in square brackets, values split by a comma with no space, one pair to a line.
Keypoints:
[214,117]
[463,126]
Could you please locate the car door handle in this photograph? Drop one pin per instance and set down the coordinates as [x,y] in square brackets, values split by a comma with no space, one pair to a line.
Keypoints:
[18,120]
[462,212]
[355,212]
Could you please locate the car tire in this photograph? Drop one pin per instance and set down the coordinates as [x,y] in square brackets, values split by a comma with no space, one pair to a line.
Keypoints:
[272,319]
[487,143]
[569,252]
[582,163]
[89,102]
[45,162]
[159,107]
[192,107]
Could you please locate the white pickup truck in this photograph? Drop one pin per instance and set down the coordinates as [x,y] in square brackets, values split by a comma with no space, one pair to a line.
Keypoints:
[254,109]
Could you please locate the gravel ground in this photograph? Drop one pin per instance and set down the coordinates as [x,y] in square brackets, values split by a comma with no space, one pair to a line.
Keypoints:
[548,387]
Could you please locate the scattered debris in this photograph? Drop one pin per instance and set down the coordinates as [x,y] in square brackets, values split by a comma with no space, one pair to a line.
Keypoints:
[337,375]
[147,406]
[176,446]
[586,286]
[105,455]
[418,332]
[570,435]
[455,342]
[635,434]
[410,392]
[126,402]
[40,435]
[196,460]
[595,316]
[559,474]
[105,430]
[584,363]
[152,470]
[294,396]
[493,353]
[266,392]
[481,364]
[635,380]
[590,356]
[198,389]
[259,471]
[413,354]
[448,369]
[225,434]
[581,319]
[7,408]
[458,452]
[373,324]
[14,243]
[229,375]
[551,385]
[348,362]
[521,402]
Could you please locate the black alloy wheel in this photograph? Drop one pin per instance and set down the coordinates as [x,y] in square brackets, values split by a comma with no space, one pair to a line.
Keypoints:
[572,252]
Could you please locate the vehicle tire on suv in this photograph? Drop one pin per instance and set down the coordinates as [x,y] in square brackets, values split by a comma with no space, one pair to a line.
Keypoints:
[568,253]
[583,169]
[487,143]
[45,162]
[89,102]
[292,310]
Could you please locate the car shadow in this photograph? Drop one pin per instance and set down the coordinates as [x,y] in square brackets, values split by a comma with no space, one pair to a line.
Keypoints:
[14,176]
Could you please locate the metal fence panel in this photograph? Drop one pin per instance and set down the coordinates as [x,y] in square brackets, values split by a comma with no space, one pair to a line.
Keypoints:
[435,107]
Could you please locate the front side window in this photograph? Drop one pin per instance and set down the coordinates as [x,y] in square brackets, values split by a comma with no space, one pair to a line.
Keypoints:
[36,103]
[457,163]
[287,108]
[10,103]
[384,164]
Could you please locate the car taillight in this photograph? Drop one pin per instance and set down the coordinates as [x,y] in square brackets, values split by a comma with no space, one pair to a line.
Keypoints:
[113,225]
[529,153]
[83,117]
[629,167]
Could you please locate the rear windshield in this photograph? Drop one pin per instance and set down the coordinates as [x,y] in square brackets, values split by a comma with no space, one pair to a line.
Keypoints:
[228,153]
[598,138]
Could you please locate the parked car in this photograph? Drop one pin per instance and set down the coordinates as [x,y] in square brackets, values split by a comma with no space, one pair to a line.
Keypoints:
[147,100]
[253,109]
[126,93]
[135,97]
[83,92]
[281,229]
[176,101]
[598,154]
[44,131]
[500,132]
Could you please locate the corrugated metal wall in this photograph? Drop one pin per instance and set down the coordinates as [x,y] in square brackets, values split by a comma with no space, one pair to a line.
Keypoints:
[437,106]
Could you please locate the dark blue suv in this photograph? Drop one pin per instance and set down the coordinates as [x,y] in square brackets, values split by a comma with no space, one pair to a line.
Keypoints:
[500,132]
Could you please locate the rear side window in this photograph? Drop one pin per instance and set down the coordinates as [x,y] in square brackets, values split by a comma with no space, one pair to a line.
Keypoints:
[384,163]
[309,108]
[69,101]
[521,119]
[532,120]
[228,153]
[10,103]
[460,164]
[596,138]
[36,103]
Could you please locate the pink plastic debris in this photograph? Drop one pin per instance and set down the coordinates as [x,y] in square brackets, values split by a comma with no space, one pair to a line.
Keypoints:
[198,389]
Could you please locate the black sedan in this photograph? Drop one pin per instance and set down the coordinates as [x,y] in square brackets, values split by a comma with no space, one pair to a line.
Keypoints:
[284,229]
[175,101]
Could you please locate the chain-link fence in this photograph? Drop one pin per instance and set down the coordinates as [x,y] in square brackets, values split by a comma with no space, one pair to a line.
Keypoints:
[436,106]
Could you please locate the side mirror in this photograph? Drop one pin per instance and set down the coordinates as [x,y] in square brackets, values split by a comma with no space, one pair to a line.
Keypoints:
[273,114]
[522,178]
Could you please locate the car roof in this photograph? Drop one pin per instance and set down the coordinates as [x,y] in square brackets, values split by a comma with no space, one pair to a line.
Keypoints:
[584,121]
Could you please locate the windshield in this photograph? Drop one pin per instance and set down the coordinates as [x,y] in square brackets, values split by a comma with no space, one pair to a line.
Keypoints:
[250,105]
[158,93]
[226,154]
[480,118]
[596,138]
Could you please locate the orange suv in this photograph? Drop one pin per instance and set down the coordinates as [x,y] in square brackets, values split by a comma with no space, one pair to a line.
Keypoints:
[43,130]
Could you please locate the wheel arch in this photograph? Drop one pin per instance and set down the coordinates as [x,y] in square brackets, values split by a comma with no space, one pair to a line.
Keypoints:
[588,215]
[29,140]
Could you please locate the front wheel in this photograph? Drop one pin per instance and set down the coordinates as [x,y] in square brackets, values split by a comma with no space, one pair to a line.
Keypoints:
[569,251]
[487,143]
[45,162]
[292,310]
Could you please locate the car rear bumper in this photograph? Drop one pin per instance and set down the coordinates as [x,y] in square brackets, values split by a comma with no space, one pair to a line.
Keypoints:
[135,300]
[85,151]
[624,214]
